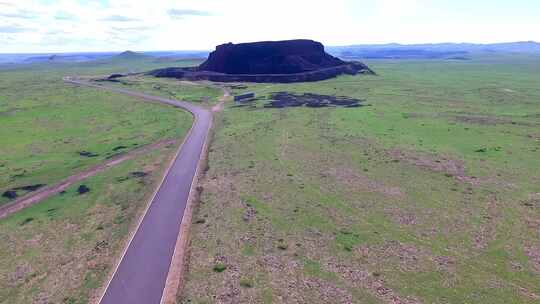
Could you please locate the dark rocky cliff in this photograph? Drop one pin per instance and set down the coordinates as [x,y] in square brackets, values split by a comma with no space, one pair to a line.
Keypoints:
[270,57]
[268,61]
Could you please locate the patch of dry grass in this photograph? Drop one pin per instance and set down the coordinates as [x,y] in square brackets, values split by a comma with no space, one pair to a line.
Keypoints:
[369,205]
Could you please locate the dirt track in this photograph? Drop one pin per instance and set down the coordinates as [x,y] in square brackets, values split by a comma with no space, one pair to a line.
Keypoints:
[43,193]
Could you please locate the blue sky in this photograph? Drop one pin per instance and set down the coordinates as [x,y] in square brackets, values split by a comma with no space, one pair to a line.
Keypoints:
[116,25]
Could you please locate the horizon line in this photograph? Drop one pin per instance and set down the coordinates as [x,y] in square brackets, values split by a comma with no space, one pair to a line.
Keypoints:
[209,50]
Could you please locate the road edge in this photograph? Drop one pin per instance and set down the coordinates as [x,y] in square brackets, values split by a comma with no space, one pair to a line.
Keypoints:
[175,277]
[101,292]
[176,265]
[177,269]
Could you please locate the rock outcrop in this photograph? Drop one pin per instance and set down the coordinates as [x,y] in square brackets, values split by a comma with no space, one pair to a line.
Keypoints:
[269,61]
[270,57]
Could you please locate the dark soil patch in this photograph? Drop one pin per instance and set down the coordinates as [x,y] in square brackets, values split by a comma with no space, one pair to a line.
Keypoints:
[114,155]
[237,86]
[29,187]
[83,189]
[26,221]
[113,76]
[87,154]
[286,99]
[122,179]
[138,174]
[101,246]
[12,193]
[119,148]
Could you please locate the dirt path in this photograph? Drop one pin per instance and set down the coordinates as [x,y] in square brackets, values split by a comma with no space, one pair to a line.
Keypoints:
[43,193]
[219,106]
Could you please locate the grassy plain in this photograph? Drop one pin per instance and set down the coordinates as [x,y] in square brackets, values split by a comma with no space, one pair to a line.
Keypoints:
[46,123]
[202,93]
[62,249]
[428,195]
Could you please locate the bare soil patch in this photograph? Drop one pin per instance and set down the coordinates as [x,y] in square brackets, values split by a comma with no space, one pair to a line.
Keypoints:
[356,181]
[373,282]
[490,120]
[533,252]
[451,167]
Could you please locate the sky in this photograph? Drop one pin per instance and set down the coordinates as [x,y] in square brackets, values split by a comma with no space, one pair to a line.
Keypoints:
[34,26]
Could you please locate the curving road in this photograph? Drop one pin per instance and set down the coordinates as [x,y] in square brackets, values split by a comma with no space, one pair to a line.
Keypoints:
[141,275]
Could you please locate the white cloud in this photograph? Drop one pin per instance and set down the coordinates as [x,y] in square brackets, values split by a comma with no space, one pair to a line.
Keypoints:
[181,13]
[67,25]
[118,18]
[12,29]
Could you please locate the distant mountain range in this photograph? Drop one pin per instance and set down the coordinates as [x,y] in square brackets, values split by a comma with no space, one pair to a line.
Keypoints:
[431,51]
[457,51]
[85,57]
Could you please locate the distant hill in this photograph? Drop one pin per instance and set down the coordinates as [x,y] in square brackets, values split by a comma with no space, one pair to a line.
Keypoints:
[52,58]
[86,57]
[457,51]
[129,55]
[431,51]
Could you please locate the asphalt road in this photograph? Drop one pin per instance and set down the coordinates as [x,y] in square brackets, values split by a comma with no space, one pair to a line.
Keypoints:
[140,278]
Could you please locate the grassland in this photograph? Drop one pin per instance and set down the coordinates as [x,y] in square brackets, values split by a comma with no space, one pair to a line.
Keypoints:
[428,195]
[46,124]
[62,249]
[202,93]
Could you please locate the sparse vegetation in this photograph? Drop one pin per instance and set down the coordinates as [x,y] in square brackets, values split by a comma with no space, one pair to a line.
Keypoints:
[62,249]
[51,130]
[382,203]
[197,92]
[246,283]
[219,267]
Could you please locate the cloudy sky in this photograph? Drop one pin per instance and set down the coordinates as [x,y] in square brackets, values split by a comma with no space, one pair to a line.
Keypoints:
[117,25]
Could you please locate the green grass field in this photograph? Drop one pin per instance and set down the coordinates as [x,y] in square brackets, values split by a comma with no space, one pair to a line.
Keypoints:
[47,123]
[202,93]
[431,194]
[63,249]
